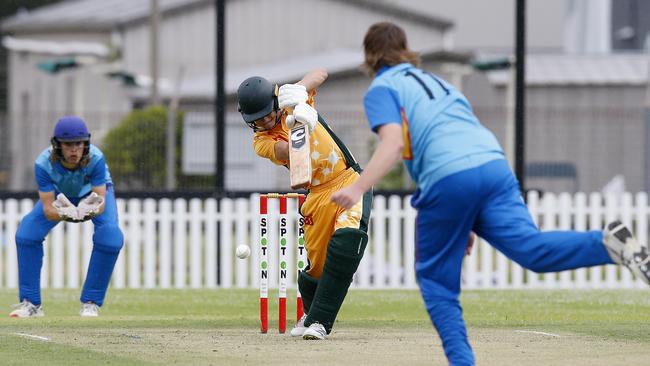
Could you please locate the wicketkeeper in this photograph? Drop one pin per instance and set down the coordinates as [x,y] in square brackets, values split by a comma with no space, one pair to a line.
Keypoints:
[74,185]
[335,238]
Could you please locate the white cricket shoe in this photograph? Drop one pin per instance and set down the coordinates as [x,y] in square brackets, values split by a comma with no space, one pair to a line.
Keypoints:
[26,309]
[299,328]
[624,249]
[316,331]
[89,309]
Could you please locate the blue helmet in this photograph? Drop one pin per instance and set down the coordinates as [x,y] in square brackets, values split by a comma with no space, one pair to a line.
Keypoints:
[70,129]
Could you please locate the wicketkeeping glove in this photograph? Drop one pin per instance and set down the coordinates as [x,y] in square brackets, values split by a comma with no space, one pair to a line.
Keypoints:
[67,211]
[289,95]
[89,207]
[305,114]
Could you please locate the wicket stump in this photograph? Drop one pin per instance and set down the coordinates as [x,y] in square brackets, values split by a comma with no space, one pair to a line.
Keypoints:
[282,258]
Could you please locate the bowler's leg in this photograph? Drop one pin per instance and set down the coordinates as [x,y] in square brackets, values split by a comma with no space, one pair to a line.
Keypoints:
[504,221]
[440,249]
[442,231]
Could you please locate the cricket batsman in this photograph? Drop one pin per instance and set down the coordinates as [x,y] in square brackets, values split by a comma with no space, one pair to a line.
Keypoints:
[335,237]
[74,185]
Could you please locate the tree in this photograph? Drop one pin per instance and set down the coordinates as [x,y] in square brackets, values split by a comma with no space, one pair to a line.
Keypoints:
[135,152]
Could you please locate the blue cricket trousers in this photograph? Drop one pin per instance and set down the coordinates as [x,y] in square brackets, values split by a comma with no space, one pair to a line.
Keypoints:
[107,242]
[486,200]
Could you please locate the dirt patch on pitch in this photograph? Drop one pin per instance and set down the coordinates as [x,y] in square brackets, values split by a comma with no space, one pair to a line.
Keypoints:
[351,346]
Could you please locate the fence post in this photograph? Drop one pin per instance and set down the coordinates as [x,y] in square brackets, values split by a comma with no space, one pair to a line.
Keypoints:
[180,238]
[225,243]
[165,235]
[150,247]
[134,239]
[196,242]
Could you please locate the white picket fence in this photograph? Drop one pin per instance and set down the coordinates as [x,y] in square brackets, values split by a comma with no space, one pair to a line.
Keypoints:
[174,244]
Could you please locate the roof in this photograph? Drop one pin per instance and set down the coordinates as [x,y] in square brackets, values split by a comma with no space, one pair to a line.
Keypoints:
[290,70]
[55,48]
[338,63]
[401,12]
[108,14]
[562,69]
[89,14]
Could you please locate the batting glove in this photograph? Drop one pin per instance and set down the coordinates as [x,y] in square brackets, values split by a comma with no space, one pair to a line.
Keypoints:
[290,121]
[67,211]
[306,114]
[89,207]
[290,95]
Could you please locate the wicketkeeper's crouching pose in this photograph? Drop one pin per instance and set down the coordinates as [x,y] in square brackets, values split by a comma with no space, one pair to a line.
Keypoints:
[74,185]
[335,238]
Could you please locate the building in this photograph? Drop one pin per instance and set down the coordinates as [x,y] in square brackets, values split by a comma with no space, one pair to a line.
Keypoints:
[104,36]
[585,104]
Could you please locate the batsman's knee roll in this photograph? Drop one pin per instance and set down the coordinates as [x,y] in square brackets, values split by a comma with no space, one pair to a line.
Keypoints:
[345,251]
[307,286]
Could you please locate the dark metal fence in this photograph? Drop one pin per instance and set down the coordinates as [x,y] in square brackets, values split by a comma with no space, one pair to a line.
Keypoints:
[568,150]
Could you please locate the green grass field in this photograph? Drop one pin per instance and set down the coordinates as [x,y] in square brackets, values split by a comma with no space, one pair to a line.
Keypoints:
[220,327]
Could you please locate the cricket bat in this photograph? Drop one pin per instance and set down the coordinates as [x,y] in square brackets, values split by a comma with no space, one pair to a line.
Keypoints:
[299,159]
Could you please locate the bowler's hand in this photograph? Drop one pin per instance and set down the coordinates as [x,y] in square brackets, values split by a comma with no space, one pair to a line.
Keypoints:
[347,196]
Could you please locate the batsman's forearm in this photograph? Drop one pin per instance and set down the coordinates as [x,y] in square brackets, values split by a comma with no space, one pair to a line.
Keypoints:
[382,161]
[281,150]
[314,79]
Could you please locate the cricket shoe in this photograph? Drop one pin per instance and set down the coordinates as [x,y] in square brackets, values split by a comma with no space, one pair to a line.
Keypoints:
[26,309]
[316,331]
[624,249]
[299,328]
[89,309]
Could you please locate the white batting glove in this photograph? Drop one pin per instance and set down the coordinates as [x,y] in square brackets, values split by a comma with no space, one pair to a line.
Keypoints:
[89,207]
[289,95]
[290,121]
[306,114]
[67,211]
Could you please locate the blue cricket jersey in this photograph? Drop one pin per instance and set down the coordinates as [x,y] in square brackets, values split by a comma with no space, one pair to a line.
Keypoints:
[76,183]
[441,134]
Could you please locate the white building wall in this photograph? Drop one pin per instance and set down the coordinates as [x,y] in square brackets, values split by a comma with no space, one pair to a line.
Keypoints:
[489,25]
[37,99]
[258,32]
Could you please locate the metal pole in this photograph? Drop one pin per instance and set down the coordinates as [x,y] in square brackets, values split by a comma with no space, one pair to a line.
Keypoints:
[153,56]
[171,132]
[647,131]
[220,98]
[520,106]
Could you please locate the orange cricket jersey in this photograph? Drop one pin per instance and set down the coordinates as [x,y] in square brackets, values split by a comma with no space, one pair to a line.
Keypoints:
[327,160]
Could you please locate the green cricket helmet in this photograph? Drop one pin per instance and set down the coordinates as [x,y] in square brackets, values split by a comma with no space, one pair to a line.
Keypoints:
[256,97]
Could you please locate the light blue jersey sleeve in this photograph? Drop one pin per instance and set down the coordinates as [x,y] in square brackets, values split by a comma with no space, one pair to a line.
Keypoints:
[99,174]
[43,180]
[381,104]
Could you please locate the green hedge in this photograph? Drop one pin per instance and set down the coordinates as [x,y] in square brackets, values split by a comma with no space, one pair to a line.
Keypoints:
[135,152]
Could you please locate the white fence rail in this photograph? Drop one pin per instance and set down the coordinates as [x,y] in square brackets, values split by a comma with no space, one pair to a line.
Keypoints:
[174,244]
